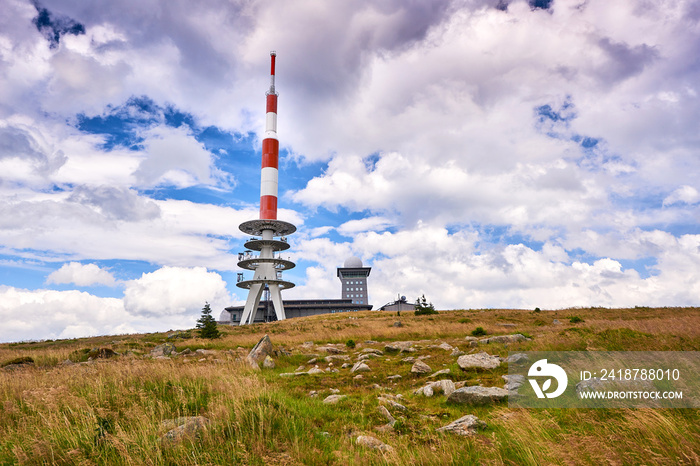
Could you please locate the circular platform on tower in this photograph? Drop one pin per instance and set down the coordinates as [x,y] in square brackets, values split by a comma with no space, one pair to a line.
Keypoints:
[256,227]
[252,263]
[256,244]
[283,284]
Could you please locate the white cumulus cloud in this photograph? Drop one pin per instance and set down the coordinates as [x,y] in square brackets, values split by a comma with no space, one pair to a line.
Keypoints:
[82,275]
[175,291]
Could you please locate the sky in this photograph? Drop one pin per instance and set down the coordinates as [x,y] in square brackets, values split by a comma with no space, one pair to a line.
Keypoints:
[485,153]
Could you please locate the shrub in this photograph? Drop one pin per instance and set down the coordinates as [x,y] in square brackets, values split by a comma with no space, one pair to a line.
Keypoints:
[537,309]
[575,319]
[350,343]
[478,332]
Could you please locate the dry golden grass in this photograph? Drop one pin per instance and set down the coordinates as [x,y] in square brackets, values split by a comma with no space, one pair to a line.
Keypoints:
[110,411]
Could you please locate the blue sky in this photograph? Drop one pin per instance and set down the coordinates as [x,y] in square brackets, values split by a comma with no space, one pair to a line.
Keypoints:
[485,153]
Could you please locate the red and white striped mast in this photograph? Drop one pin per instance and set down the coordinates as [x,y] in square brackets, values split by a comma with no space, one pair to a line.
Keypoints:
[266,265]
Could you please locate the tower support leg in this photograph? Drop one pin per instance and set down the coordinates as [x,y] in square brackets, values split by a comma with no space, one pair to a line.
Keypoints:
[277,301]
[251,304]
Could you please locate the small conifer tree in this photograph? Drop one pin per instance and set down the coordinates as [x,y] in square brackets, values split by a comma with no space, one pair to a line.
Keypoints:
[206,324]
[423,307]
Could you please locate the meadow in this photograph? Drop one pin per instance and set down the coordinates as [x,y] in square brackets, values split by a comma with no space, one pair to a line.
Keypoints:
[112,410]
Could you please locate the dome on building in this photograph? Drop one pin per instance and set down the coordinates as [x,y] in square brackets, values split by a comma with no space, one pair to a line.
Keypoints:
[353,263]
[225,316]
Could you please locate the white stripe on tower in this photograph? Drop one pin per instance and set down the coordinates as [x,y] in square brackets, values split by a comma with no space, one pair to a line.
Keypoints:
[270,153]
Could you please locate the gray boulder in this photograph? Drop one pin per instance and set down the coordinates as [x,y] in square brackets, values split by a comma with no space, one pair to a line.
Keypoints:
[517,358]
[371,442]
[268,363]
[419,368]
[478,395]
[481,360]
[466,425]
[513,382]
[333,399]
[183,428]
[166,349]
[515,338]
[259,352]
[360,367]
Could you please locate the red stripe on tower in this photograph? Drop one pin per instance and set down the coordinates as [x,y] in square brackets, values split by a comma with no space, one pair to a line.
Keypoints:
[270,153]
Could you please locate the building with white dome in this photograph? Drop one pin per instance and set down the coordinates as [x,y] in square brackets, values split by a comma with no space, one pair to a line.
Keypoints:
[354,297]
[354,280]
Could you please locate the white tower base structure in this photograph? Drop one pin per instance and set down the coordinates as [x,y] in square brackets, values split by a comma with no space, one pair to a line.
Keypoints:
[268,267]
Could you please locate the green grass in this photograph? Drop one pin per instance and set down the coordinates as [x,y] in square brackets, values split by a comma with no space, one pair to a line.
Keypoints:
[110,411]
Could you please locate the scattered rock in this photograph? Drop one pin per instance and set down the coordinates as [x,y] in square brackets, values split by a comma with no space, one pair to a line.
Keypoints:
[370,342]
[312,361]
[337,357]
[385,412]
[394,377]
[259,352]
[333,399]
[392,403]
[409,359]
[372,351]
[507,325]
[398,324]
[481,360]
[513,382]
[556,322]
[67,362]
[314,370]
[400,347]
[358,377]
[425,391]
[204,352]
[313,394]
[166,349]
[371,442]
[300,369]
[445,346]
[478,395]
[268,363]
[360,367]
[346,365]
[457,353]
[182,428]
[471,338]
[185,352]
[331,349]
[103,353]
[419,367]
[307,344]
[515,338]
[442,372]
[517,358]
[445,386]
[466,425]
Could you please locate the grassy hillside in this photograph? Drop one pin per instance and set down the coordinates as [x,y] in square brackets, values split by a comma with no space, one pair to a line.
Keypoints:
[111,410]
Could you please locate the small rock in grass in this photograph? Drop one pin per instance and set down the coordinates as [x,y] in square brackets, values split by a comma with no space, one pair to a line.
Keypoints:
[419,367]
[441,372]
[481,360]
[466,425]
[371,442]
[268,363]
[360,367]
[186,427]
[478,395]
[333,399]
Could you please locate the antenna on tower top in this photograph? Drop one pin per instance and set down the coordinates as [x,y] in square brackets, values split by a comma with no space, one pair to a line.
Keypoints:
[273,55]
